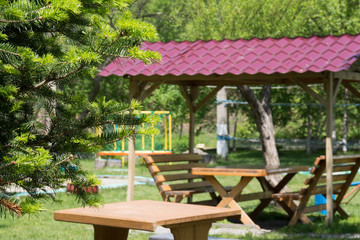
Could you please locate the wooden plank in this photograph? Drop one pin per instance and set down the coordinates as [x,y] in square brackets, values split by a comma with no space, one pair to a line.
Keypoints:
[177,167]
[314,208]
[336,178]
[194,187]
[140,214]
[291,169]
[309,91]
[172,158]
[286,196]
[175,177]
[319,160]
[216,185]
[253,196]
[200,186]
[229,172]
[207,98]
[347,75]
[353,90]
[322,189]
[346,159]
[343,168]
[346,186]
[150,90]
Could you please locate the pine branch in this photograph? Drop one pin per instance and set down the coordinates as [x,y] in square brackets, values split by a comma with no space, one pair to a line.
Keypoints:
[59,78]
[12,53]
[10,206]
[7,165]
[20,21]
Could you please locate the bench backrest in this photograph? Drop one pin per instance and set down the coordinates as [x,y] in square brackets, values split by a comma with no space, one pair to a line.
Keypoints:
[344,171]
[173,172]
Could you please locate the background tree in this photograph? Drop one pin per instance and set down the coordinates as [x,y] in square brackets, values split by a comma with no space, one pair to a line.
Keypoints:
[233,19]
[47,45]
[220,19]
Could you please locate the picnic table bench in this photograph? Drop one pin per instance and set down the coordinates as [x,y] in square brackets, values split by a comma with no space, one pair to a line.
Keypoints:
[173,178]
[113,221]
[344,171]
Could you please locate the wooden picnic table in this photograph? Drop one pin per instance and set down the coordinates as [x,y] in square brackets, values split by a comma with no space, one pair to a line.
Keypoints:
[113,221]
[246,174]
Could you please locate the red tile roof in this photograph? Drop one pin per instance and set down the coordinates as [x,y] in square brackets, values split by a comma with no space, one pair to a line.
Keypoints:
[315,54]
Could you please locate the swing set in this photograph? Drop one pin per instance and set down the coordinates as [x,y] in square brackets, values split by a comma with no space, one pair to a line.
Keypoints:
[158,144]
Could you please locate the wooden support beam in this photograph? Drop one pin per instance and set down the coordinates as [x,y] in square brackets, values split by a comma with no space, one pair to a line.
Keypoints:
[133,87]
[337,83]
[186,95]
[190,102]
[207,98]
[150,90]
[309,91]
[353,90]
[347,75]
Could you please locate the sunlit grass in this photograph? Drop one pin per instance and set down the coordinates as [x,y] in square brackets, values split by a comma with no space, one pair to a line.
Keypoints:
[43,227]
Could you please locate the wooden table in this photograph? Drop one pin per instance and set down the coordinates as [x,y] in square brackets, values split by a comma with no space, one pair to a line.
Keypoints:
[246,174]
[113,221]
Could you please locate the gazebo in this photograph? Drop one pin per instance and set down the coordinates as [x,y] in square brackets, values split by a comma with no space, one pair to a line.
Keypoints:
[331,61]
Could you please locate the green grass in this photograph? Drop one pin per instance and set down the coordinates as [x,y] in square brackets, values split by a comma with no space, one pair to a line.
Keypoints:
[43,227]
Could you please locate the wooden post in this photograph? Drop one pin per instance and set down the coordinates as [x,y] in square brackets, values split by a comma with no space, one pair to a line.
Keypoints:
[133,87]
[131,170]
[329,86]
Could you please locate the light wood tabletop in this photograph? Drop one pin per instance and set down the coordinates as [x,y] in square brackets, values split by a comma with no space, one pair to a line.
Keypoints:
[247,171]
[147,215]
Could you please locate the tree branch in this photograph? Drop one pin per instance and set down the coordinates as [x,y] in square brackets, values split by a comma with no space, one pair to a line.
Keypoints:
[58,78]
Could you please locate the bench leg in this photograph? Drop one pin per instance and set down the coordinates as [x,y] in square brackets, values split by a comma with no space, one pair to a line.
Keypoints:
[191,231]
[110,233]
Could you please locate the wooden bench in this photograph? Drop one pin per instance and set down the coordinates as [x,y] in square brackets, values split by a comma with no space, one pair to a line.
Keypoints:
[173,177]
[344,171]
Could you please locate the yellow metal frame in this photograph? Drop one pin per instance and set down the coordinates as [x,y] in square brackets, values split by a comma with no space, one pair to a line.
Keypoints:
[123,152]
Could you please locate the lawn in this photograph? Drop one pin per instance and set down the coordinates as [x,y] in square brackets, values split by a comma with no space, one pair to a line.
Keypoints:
[42,226]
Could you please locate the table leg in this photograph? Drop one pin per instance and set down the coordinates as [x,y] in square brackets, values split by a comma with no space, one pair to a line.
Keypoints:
[266,186]
[191,231]
[228,199]
[110,233]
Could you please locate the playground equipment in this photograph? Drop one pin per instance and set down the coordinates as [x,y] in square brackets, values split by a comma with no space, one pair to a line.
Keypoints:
[156,144]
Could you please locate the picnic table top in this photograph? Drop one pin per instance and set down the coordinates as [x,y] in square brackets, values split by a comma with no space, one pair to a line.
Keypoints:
[247,171]
[143,214]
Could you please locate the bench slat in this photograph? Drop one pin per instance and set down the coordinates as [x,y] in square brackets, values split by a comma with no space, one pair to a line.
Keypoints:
[179,167]
[336,178]
[346,159]
[175,177]
[190,185]
[343,168]
[178,182]
[174,167]
[322,189]
[173,158]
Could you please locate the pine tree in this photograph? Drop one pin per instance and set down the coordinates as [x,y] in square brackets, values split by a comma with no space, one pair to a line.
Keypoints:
[44,47]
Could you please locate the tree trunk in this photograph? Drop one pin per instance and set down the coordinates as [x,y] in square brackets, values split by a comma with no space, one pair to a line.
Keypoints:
[344,140]
[264,122]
